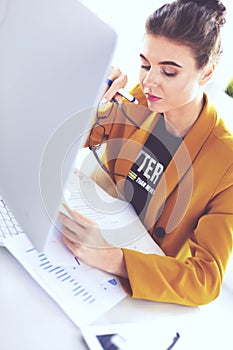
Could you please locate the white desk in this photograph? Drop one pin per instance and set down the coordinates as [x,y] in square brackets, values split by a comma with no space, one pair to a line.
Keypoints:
[30,319]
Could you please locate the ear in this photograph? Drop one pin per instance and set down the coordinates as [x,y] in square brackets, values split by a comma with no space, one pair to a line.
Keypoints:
[207,73]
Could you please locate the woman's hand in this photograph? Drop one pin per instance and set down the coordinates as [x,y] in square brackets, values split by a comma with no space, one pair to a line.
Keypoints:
[83,238]
[117,81]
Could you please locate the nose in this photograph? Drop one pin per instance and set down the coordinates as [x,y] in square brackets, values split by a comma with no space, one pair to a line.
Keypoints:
[151,78]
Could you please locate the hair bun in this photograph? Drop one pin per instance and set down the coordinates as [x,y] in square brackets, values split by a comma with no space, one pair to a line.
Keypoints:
[214,5]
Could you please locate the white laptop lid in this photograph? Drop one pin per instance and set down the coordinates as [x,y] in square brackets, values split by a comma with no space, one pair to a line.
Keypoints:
[54,58]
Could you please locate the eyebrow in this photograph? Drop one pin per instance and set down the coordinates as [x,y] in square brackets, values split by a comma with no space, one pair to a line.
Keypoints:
[169,63]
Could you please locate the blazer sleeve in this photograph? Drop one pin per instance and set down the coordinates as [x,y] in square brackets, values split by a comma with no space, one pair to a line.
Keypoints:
[197,279]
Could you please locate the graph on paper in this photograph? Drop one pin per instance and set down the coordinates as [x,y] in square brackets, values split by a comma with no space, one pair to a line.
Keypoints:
[61,275]
[83,292]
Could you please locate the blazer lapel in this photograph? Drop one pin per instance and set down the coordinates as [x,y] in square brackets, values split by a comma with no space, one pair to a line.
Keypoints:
[132,146]
[182,162]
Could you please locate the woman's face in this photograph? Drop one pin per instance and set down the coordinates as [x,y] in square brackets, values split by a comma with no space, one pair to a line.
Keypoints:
[168,74]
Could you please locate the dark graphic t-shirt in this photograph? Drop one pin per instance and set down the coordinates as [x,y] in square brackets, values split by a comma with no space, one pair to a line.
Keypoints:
[149,166]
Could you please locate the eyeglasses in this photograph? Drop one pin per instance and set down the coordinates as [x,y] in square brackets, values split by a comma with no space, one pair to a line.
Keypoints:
[102,132]
[175,339]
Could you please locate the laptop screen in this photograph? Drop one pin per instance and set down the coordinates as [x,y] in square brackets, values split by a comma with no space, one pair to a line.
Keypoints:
[54,58]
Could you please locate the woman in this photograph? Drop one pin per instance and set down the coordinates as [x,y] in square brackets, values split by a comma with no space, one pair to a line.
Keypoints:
[185,157]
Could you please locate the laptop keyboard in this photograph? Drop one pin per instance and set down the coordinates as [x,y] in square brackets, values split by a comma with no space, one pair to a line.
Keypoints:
[8,225]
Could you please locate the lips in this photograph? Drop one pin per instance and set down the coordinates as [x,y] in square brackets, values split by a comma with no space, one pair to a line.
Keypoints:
[153,98]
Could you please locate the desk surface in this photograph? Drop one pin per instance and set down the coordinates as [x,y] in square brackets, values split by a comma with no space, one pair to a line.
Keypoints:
[30,319]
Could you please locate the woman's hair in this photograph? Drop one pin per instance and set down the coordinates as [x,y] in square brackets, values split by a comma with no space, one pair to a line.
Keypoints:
[194,23]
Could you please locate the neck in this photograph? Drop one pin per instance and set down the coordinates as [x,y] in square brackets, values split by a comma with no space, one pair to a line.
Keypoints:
[179,122]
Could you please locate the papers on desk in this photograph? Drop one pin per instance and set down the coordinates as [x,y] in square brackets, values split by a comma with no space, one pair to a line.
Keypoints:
[83,292]
[208,328]
[131,336]
[119,223]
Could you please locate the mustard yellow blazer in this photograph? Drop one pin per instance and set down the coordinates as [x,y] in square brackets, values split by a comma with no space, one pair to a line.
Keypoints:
[192,206]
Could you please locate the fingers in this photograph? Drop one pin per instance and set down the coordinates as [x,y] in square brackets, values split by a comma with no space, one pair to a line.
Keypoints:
[72,246]
[76,227]
[119,80]
[72,227]
[71,236]
[80,219]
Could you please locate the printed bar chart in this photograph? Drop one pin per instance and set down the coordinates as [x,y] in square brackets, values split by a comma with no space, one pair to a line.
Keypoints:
[83,292]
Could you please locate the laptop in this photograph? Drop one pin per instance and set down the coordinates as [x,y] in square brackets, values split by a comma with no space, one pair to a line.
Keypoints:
[54,58]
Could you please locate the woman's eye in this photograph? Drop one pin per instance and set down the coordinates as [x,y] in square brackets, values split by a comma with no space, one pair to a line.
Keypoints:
[168,74]
[146,67]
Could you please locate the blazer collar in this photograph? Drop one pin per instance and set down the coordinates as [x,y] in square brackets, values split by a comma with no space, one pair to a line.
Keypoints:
[182,161]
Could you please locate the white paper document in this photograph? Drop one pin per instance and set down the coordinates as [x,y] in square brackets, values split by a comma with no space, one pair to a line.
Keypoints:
[83,292]
[117,219]
[132,336]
